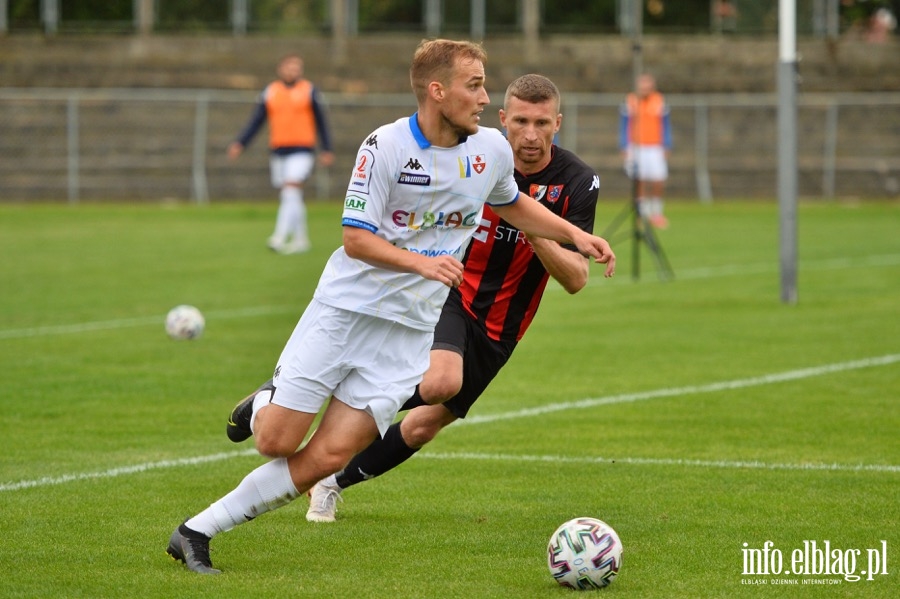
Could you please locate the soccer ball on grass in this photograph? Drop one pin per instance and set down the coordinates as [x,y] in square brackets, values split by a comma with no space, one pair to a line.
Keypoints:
[584,553]
[184,322]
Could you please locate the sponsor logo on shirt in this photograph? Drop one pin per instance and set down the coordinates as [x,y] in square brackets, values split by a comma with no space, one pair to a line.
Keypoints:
[355,203]
[500,233]
[432,220]
[433,252]
[414,179]
[362,172]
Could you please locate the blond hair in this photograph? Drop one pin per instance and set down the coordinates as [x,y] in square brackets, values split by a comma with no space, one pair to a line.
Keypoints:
[435,60]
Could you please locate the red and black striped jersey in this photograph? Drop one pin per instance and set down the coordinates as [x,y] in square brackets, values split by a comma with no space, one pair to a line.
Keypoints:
[504,279]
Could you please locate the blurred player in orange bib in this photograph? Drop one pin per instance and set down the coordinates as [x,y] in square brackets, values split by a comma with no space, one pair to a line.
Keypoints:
[645,139]
[296,117]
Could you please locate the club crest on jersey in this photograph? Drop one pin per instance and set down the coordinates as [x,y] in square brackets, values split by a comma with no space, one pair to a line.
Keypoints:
[475,163]
[551,193]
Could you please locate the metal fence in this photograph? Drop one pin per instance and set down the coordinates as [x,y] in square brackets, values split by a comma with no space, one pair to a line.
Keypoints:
[128,144]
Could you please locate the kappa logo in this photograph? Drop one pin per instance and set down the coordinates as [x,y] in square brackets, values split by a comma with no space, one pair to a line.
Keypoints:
[475,163]
[413,164]
[595,184]
[372,141]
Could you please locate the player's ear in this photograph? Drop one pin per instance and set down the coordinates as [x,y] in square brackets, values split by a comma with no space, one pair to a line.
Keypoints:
[436,89]
[502,118]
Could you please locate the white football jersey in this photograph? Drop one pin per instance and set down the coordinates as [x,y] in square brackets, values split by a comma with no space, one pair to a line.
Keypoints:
[420,198]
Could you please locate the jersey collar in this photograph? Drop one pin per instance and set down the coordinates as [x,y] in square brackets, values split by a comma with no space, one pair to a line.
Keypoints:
[420,137]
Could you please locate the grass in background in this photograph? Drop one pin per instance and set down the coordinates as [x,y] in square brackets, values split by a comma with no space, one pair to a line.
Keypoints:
[98,407]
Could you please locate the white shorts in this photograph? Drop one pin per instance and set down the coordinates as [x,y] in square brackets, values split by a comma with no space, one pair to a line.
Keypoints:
[291,168]
[651,163]
[368,363]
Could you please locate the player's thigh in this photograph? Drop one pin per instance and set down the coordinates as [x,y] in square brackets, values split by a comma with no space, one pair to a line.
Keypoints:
[343,431]
[652,165]
[276,170]
[297,168]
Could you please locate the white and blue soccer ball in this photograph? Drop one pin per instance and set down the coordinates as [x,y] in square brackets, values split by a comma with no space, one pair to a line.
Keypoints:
[185,322]
[584,553]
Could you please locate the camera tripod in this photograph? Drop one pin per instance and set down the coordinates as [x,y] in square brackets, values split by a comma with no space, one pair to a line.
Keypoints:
[641,232]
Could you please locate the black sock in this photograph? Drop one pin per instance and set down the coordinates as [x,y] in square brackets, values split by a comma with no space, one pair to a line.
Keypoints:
[382,455]
[413,402]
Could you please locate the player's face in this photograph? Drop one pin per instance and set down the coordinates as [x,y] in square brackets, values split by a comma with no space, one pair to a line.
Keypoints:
[646,85]
[464,99]
[290,70]
[530,129]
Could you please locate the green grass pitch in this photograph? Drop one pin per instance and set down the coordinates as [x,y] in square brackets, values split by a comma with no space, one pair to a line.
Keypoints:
[695,416]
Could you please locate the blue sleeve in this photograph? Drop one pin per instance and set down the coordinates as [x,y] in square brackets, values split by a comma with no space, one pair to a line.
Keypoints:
[623,129]
[253,125]
[321,123]
[667,131]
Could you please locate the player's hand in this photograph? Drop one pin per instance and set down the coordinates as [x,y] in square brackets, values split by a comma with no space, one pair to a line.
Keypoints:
[326,159]
[599,249]
[235,149]
[446,269]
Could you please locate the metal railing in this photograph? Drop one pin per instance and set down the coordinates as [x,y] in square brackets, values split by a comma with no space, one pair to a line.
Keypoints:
[129,144]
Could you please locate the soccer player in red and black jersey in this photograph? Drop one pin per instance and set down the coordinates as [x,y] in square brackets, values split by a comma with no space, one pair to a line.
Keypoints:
[505,275]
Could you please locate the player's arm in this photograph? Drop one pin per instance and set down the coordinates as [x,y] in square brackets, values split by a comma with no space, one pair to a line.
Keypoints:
[362,244]
[535,219]
[236,148]
[569,268]
[326,157]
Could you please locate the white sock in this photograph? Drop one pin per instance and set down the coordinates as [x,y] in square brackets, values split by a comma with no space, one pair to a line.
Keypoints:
[644,208]
[656,206]
[288,207]
[267,488]
[299,231]
[262,399]
[330,481]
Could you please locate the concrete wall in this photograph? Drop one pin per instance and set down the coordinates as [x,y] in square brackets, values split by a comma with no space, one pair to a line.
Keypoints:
[695,64]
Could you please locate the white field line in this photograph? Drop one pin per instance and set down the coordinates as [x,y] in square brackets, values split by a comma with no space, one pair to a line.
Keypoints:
[725,385]
[556,459]
[681,275]
[778,377]
[123,323]
[48,481]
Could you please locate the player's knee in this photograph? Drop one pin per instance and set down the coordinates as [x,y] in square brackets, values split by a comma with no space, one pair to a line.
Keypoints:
[439,390]
[421,426]
[274,446]
[419,434]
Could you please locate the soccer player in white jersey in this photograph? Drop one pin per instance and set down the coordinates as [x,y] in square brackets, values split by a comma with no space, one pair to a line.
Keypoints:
[414,201]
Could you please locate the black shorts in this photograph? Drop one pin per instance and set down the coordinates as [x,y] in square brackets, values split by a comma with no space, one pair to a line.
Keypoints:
[483,357]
